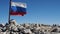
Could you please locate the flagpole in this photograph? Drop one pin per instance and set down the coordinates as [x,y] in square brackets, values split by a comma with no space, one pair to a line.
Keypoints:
[9,11]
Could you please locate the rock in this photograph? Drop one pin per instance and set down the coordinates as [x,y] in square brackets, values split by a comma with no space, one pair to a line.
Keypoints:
[12,21]
[0,30]
[27,31]
[14,28]
[26,25]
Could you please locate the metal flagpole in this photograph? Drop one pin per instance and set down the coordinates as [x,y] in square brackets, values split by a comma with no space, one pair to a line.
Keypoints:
[9,11]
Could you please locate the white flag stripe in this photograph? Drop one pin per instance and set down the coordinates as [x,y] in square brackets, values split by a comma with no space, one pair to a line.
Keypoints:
[19,4]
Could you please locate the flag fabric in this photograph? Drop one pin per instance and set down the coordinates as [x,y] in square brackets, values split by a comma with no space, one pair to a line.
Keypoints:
[18,8]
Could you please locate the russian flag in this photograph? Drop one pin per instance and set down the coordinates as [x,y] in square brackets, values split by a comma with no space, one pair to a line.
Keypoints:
[18,8]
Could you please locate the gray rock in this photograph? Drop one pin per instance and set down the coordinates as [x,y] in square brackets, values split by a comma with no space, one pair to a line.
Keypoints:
[27,31]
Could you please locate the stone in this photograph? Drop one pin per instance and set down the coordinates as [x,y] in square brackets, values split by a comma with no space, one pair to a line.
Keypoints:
[27,31]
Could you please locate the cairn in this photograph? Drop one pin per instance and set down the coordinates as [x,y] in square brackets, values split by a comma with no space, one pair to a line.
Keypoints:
[14,28]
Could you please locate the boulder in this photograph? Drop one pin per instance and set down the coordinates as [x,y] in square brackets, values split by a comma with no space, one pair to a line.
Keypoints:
[27,31]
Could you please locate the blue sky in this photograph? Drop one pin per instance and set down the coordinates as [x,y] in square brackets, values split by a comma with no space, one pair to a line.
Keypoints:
[38,11]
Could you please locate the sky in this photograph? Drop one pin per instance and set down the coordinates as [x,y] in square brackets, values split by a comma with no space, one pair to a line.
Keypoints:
[38,11]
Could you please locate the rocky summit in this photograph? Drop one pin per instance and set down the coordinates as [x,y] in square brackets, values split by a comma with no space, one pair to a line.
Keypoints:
[13,28]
